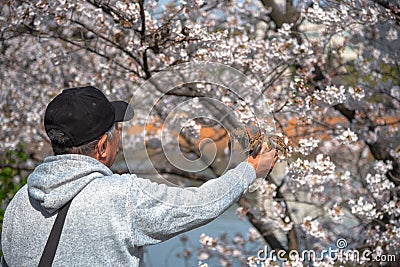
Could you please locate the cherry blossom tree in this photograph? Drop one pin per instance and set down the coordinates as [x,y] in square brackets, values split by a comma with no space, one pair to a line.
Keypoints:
[333,94]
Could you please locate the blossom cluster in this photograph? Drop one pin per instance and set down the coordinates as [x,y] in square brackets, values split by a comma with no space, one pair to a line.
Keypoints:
[257,262]
[329,17]
[378,183]
[313,174]
[208,241]
[364,208]
[331,95]
[347,137]
[226,249]
[312,227]
[336,213]
[356,93]
[306,146]
[266,189]
[384,241]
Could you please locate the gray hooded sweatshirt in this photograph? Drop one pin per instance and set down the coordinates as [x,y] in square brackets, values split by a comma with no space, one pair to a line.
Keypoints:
[111,216]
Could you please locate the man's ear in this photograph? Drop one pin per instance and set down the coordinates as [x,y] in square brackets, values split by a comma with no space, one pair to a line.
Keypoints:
[102,147]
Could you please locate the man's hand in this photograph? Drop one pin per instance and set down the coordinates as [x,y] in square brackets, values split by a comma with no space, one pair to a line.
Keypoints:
[264,162]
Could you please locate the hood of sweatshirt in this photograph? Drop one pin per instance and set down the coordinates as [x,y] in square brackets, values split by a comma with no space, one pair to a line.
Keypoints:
[60,178]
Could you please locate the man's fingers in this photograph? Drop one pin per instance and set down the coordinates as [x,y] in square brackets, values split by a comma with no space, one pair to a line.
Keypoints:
[263,147]
[276,155]
[273,156]
[273,153]
[275,160]
[264,163]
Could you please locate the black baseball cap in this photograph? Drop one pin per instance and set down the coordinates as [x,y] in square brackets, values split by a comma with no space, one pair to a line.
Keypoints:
[84,114]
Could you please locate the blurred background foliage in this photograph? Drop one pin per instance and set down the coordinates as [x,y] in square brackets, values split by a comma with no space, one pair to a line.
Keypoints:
[12,177]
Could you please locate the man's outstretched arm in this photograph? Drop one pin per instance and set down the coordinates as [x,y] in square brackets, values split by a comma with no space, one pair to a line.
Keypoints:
[159,212]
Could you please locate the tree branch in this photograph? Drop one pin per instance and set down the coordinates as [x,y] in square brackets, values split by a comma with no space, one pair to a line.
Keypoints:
[279,18]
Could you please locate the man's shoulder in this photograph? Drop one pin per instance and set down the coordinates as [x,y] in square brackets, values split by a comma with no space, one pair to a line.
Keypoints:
[115,182]
[21,195]
[19,200]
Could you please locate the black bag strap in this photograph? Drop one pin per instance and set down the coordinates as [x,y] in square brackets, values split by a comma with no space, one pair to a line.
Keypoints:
[3,262]
[52,243]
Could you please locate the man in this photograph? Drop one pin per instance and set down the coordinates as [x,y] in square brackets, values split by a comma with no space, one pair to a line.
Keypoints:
[111,216]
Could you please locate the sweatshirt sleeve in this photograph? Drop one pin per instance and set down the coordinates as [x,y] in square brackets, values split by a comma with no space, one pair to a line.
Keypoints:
[158,212]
